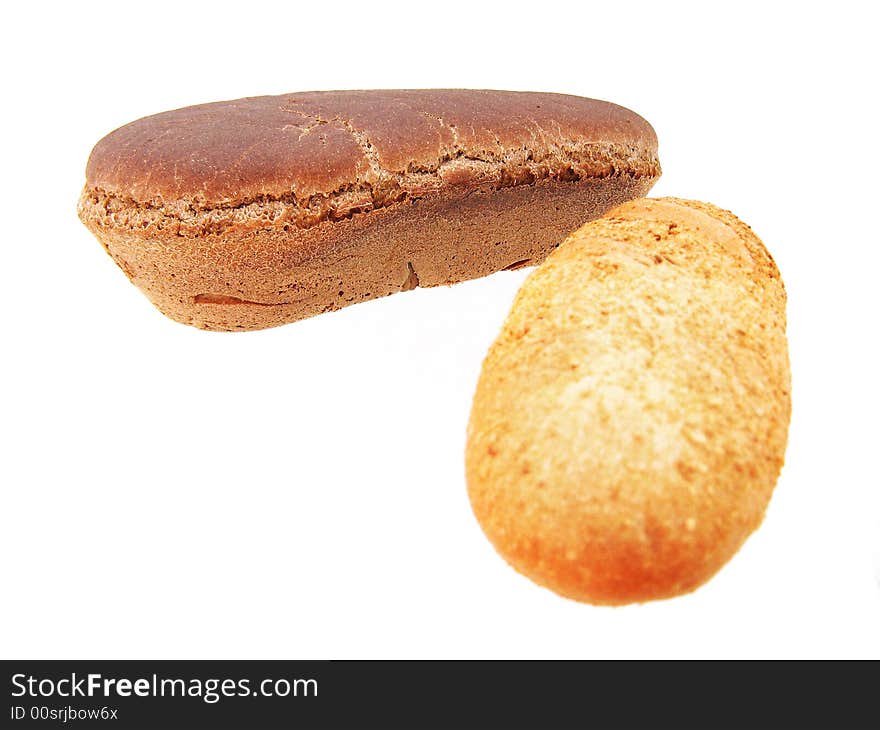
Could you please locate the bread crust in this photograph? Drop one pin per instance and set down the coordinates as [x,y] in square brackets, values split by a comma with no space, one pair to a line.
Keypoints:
[256,212]
[630,420]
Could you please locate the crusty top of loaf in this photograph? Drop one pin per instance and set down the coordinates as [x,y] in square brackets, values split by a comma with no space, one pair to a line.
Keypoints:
[359,150]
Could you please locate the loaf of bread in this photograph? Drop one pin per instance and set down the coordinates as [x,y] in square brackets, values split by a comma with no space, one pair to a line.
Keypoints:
[630,421]
[251,213]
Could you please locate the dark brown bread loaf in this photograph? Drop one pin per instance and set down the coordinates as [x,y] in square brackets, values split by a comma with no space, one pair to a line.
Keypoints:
[252,213]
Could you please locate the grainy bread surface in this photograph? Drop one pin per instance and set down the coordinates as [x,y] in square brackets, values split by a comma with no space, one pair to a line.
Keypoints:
[630,420]
[259,211]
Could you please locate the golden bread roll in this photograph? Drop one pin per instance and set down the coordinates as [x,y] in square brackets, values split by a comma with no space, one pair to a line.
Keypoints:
[630,421]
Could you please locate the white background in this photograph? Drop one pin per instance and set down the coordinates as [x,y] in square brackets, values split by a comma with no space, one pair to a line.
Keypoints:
[299,492]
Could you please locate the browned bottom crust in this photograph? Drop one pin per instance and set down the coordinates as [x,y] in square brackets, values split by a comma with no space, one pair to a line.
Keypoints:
[257,277]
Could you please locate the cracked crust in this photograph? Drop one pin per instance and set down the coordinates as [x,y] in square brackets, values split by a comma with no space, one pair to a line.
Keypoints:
[221,210]
[630,421]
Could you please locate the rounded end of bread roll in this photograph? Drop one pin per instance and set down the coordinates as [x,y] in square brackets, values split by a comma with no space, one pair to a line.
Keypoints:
[594,557]
[630,420]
